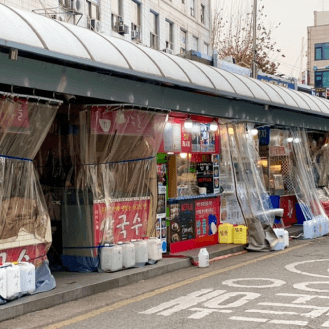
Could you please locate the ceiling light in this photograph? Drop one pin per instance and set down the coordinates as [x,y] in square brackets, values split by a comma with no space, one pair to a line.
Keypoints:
[188,123]
[290,139]
[213,125]
[254,132]
[183,155]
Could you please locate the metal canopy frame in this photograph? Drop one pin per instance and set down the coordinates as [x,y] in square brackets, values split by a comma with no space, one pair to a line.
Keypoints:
[31,73]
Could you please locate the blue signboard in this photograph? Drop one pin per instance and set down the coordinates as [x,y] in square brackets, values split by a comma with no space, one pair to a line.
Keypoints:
[277,81]
[264,135]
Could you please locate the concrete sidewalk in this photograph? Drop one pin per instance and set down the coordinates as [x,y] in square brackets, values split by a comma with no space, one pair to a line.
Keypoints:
[72,286]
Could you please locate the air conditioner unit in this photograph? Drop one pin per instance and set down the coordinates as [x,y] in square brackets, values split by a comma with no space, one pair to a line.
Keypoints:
[168,51]
[67,3]
[76,6]
[57,17]
[95,25]
[135,34]
[123,29]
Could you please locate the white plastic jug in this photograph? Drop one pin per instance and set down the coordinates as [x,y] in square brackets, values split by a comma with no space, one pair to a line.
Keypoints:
[325,226]
[279,232]
[13,280]
[154,247]
[3,282]
[111,258]
[309,229]
[318,227]
[286,238]
[203,258]
[27,273]
[128,255]
[141,251]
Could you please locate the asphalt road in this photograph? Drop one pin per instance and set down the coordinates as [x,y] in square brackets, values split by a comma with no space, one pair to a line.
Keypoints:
[288,289]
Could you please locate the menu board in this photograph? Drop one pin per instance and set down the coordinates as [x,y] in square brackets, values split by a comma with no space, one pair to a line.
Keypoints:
[230,210]
[161,232]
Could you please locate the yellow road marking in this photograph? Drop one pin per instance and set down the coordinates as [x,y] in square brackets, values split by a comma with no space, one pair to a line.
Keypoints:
[166,289]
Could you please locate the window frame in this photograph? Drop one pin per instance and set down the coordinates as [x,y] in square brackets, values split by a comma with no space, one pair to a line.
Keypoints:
[322,47]
[203,14]
[170,42]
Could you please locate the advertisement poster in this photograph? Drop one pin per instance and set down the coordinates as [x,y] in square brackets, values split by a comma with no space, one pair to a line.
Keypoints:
[186,140]
[196,137]
[161,173]
[208,139]
[215,161]
[125,218]
[162,204]
[230,210]
[182,224]
[161,232]
[177,138]
[206,216]
[16,118]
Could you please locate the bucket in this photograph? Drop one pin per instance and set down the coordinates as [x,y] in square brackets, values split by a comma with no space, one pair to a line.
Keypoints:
[128,255]
[154,247]
[111,258]
[203,258]
[27,273]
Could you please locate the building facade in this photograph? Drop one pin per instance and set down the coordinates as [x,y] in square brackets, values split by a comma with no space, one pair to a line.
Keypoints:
[175,26]
[318,50]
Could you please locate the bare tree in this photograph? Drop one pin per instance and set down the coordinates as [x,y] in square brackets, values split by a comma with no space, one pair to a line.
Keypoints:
[233,35]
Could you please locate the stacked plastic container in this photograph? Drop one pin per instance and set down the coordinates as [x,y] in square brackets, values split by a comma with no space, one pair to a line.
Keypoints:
[240,234]
[111,258]
[225,233]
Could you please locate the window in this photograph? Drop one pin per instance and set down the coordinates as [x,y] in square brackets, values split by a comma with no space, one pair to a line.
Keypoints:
[192,7]
[321,51]
[92,10]
[116,13]
[135,20]
[169,34]
[322,79]
[202,14]
[205,48]
[153,30]
[195,43]
[182,41]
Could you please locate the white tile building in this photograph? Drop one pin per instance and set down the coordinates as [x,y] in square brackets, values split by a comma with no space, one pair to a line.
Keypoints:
[179,25]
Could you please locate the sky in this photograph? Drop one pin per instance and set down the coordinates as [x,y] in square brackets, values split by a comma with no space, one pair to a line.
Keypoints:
[295,16]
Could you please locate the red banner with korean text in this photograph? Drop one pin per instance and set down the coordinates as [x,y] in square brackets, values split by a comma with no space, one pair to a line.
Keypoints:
[206,216]
[129,219]
[34,254]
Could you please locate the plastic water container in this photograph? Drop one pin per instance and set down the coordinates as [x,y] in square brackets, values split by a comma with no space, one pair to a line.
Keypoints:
[318,226]
[203,258]
[309,229]
[286,238]
[325,226]
[27,273]
[128,255]
[3,282]
[141,251]
[225,233]
[240,234]
[154,247]
[13,280]
[279,232]
[111,258]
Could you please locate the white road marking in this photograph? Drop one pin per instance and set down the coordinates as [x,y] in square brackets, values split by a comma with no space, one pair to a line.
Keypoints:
[242,318]
[271,312]
[292,268]
[202,312]
[297,323]
[304,286]
[317,310]
[302,298]
[184,302]
[275,283]
[217,301]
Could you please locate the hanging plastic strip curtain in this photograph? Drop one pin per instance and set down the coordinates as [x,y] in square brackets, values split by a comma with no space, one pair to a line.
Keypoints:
[242,176]
[316,221]
[25,230]
[103,174]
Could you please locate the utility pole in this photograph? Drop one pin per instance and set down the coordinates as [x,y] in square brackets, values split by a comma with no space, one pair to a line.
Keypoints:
[254,65]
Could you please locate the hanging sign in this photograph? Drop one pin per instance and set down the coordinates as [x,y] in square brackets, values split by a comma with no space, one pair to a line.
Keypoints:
[127,218]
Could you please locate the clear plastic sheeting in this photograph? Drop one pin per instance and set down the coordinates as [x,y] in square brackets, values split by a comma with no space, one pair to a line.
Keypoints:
[25,230]
[244,178]
[100,179]
[304,185]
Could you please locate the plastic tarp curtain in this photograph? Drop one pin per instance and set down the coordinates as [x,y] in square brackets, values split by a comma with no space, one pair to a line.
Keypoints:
[25,229]
[243,177]
[103,173]
[304,182]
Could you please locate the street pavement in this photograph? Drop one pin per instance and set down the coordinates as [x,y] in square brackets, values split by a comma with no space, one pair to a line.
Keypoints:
[287,289]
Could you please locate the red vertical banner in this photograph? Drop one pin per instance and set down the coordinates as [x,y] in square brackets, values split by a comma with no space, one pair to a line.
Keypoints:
[288,204]
[186,139]
[206,216]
